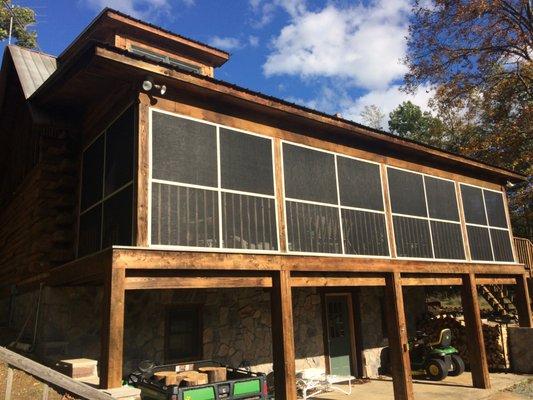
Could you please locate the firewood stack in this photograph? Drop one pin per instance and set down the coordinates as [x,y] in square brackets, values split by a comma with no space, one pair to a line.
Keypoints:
[491,334]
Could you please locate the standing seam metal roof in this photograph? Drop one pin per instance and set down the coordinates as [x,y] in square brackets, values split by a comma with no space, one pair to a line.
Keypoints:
[33,68]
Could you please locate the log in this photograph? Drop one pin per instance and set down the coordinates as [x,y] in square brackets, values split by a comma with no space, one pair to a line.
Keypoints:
[193,378]
[214,374]
[169,377]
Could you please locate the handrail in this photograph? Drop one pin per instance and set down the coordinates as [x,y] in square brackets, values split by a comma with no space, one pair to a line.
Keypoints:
[47,375]
[524,251]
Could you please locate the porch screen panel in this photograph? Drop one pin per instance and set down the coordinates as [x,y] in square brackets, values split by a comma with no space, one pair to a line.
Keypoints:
[107,187]
[246,162]
[501,244]
[249,222]
[495,209]
[89,239]
[184,216]
[359,184]
[412,237]
[442,201]
[92,172]
[309,174]
[473,206]
[447,240]
[117,219]
[487,228]
[365,233]
[119,152]
[183,150]
[406,191]
[313,228]
[479,242]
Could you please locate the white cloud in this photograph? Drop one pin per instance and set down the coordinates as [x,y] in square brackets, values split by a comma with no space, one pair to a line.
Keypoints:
[225,43]
[362,44]
[265,9]
[142,9]
[253,40]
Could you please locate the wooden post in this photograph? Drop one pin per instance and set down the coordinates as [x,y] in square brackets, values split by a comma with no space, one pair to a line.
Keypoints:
[112,329]
[142,171]
[476,345]
[283,336]
[523,306]
[9,383]
[397,330]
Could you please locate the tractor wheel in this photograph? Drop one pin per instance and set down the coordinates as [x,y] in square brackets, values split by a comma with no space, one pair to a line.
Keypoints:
[436,369]
[458,366]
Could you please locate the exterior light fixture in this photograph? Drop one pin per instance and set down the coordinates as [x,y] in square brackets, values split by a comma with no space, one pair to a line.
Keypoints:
[510,185]
[148,84]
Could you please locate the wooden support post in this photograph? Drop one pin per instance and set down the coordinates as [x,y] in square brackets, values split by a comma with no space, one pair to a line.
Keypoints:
[397,329]
[283,336]
[474,332]
[523,306]
[9,383]
[112,329]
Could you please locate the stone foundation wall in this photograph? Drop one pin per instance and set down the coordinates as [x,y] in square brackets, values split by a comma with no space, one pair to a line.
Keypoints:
[236,324]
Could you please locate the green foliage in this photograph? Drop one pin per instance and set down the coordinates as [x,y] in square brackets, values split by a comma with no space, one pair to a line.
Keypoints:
[408,121]
[23,18]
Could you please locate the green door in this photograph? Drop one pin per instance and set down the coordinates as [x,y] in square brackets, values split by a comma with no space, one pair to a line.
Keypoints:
[339,334]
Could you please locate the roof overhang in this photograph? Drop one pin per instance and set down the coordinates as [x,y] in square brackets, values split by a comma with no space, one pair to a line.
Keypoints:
[122,67]
[113,21]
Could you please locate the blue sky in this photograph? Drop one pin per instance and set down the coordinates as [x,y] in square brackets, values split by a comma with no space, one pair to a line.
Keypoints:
[335,56]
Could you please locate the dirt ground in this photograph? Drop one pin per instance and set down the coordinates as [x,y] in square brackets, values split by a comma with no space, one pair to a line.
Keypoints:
[521,391]
[25,387]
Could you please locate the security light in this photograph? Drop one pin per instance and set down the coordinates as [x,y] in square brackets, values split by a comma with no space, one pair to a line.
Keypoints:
[510,185]
[148,83]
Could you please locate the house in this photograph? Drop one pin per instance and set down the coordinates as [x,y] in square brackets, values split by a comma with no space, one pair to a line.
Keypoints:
[152,211]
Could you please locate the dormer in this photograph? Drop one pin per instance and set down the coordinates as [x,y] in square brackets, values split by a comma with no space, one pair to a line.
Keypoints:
[114,28]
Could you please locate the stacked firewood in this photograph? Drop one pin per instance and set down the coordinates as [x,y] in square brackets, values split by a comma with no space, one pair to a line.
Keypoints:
[491,335]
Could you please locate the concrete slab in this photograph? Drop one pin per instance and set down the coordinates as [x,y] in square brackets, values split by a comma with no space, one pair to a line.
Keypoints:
[452,388]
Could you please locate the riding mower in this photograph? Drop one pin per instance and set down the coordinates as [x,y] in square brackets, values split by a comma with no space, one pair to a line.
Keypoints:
[438,359]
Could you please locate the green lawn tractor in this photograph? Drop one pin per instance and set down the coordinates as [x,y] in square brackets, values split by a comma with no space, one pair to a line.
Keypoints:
[438,359]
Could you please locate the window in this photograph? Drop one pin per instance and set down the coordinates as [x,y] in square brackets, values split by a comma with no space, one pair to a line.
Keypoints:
[334,204]
[487,229]
[183,334]
[158,57]
[425,216]
[212,186]
[106,204]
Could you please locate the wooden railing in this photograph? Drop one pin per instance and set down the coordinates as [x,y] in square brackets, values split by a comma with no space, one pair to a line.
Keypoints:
[48,376]
[524,251]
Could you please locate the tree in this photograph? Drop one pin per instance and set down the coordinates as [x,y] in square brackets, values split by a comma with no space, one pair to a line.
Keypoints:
[23,17]
[372,116]
[477,55]
[408,121]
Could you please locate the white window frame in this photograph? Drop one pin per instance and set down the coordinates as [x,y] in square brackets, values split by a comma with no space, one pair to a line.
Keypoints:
[337,205]
[488,226]
[218,189]
[103,198]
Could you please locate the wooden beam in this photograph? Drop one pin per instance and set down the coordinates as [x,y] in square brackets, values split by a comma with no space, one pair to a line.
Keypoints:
[48,375]
[523,306]
[278,178]
[135,283]
[335,281]
[475,343]
[432,280]
[283,337]
[397,332]
[202,260]
[83,269]
[388,211]
[112,329]
[142,172]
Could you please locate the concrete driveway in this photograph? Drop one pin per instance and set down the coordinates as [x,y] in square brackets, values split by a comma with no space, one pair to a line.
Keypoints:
[452,388]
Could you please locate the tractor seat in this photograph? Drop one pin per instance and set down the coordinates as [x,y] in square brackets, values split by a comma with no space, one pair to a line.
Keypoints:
[445,339]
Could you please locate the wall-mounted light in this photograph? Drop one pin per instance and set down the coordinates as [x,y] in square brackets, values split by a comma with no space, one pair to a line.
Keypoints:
[148,84]
[510,185]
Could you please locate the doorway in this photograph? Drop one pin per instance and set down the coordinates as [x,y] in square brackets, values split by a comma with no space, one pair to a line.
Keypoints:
[339,334]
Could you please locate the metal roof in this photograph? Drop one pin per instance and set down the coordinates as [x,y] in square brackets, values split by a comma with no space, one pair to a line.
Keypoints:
[33,68]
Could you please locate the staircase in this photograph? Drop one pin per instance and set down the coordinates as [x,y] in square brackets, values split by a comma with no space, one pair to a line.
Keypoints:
[499,299]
